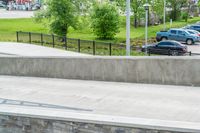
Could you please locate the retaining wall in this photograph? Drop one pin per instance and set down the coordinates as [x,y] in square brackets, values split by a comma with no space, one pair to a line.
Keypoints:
[17,124]
[152,70]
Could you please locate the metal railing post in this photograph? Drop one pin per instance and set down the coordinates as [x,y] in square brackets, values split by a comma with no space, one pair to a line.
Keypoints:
[17,36]
[110,49]
[79,45]
[30,37]
[169,52]
[149,52]
[53,40]
[41,39]
[65,39]
[94,48]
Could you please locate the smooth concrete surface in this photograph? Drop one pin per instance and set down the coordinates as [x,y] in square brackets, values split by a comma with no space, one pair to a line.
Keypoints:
[150,70]
[171,108]
[22,49]
[162,102]
[4,14]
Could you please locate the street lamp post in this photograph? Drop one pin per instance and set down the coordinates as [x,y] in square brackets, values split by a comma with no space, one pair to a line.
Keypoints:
[146,7]
[164,15]
[128,27]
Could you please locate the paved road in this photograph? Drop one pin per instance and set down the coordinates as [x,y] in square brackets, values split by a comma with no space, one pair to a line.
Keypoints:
[171,103]
[194,48]
[15,14]
[21,49]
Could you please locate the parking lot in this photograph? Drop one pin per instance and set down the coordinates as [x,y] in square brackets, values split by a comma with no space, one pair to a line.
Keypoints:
[4,14]
[194,48]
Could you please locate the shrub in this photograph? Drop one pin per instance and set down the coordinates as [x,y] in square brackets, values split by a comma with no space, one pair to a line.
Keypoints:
[105,21]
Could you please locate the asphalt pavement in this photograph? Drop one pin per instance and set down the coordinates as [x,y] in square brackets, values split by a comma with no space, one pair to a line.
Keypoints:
[4,14]
[22,49]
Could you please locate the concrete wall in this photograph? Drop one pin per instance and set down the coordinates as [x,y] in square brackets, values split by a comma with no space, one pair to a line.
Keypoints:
[16,124]
[153,70]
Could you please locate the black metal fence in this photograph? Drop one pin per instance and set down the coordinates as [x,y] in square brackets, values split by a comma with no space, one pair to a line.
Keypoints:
[87,46]
[71,44]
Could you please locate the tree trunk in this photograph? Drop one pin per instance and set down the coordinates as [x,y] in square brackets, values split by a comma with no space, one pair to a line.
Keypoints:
[135,21]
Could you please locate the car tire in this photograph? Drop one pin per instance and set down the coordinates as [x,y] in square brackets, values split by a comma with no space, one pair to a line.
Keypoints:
[189,42]
[174,53]
[164,38]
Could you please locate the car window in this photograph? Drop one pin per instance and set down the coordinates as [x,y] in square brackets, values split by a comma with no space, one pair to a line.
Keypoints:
[173,31]
[181,32]
[165,44]
[196,26]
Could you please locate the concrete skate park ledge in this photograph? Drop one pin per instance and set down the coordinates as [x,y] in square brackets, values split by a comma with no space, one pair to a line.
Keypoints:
[150,70]
[91,121]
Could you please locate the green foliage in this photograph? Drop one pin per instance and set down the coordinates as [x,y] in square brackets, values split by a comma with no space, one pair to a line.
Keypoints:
[60,15]
[105,21]
[176,6]
[184,16]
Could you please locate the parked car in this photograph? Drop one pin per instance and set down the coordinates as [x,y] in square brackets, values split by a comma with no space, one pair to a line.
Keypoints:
[36,7]
[193,27]
[198,23]
[173,48]
[2,5]
[180,35]
[194,32]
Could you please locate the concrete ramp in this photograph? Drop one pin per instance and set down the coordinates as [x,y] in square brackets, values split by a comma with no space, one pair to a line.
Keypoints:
[60,105]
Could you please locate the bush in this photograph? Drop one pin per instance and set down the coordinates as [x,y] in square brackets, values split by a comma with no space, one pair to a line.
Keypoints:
[105,21]
[59,16]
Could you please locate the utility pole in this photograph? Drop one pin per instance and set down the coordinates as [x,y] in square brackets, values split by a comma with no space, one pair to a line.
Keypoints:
[164,16]
[128,27]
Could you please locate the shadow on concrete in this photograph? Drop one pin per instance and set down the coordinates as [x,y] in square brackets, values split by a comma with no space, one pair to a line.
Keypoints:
[41,105]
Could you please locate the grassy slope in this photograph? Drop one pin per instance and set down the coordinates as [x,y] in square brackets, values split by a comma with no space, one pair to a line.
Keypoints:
[8,27]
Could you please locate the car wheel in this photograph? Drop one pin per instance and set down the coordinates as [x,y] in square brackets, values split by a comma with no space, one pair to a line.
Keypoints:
[163,38]
[189,41]
[174,53]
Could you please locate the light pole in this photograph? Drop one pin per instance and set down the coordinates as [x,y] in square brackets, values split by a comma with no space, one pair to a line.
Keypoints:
[128,28]
[146,7]
[164,16]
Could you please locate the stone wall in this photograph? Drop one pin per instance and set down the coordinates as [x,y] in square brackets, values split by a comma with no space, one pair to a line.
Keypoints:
[152,70]
[13,124]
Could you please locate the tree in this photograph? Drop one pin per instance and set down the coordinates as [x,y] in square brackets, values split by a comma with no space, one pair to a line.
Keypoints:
[157,7]
[176,6]
[60,15]
[137,8]
[105,21]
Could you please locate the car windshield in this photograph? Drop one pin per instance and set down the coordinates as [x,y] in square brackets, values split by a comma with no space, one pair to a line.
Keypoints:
[191,32]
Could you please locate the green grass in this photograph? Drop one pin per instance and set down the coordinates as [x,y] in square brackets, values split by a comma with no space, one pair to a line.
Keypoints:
[138,33]
[8,28]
